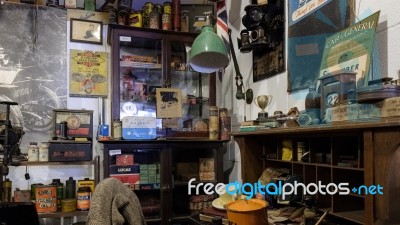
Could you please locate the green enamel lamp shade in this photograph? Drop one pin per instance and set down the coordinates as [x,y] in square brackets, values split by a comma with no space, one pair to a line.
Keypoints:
[208,53]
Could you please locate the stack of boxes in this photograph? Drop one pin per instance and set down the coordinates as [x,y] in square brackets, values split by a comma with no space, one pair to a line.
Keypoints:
[125,170]
[135,176]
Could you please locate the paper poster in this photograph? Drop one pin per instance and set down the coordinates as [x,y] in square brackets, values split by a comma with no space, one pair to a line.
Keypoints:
[88,74]
[353,45]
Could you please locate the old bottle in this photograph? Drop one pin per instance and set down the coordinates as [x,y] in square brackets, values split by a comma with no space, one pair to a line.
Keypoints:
[313,104]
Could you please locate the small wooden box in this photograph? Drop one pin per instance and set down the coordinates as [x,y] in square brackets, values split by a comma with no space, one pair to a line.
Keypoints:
[61,151]
[390,107]
[79,122]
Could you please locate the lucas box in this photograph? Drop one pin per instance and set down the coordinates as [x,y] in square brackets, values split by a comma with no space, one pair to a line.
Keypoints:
[138,128]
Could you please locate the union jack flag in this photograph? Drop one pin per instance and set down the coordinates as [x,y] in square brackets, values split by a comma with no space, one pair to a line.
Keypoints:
[222,24]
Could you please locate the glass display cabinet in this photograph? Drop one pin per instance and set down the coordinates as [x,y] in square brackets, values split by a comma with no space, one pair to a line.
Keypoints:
[146,59]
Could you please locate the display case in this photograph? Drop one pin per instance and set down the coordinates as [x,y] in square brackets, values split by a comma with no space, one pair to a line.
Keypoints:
[147,59]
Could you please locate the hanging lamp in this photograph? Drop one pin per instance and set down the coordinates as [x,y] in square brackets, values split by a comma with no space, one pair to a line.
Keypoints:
[208,53]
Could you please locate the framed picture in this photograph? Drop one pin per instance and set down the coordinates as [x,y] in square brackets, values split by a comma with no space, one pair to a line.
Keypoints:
[86,31]
[169,102]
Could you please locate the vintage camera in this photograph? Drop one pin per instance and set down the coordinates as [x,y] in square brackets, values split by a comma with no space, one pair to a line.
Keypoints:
[254,17]
[255,35]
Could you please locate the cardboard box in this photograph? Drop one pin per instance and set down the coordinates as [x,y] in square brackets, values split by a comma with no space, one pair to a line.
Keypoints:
[138,128]
[187,167]
[125,169]
[127,179]
[61,151]
[390,107]
[124,160]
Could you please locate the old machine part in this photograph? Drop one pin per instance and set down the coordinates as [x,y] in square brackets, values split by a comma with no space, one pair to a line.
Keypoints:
[248,94]
[378,90]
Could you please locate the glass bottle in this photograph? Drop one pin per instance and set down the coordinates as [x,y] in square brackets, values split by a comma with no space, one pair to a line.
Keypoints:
[33,152]
[176,14]
[313,104]
[154,19]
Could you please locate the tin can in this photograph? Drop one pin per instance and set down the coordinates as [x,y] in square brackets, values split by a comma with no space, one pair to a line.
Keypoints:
[7,187]
[68,205]
[33,191]
[117,129]
[224,128]
[46,198]
[22,196]
[166,21]
[136,19]
[60,191]
[154,19]
[86,183]
[148,8]
[70,188]
[83,199]
[167,7]
[213,123]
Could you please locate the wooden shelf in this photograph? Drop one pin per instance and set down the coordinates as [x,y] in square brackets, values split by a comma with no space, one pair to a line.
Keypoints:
[355,216]
[63,214]
[26,163]
[348,168]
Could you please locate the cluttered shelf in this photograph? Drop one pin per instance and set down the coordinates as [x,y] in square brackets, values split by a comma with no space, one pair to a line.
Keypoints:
[62,214]
[27,163]
[334,127]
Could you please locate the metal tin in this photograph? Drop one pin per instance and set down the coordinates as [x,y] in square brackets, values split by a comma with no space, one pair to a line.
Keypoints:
[166,21]
[70,188]
[167,7]
[33,191]
[7,187]
[86,183]
[83,199]
[148,8]
[136,19]
[22,196]
[68,205]
[46,198]
[224,128]
[213,123]
[117,129]
[60,191]
[154,19]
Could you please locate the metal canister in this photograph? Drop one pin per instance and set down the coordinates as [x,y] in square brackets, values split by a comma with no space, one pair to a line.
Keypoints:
[148,8]
[68,205]
[46,198]
[70,188]
[86,183]
[213,123]
[136,19]
[7,187]
[154,19]
[166,21]
[117,129]
[167,7]
[83,199]
[33,191]
[60,191]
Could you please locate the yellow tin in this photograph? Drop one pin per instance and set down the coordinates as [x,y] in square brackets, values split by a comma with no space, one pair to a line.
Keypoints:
[136,19]
[68,205]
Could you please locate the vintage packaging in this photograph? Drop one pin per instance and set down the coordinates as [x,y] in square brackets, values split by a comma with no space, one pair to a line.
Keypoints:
[124,169]
[128,179]
[61,151]
[46,198]
[134,128]
[207,175]
[87,183]
[124,160]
